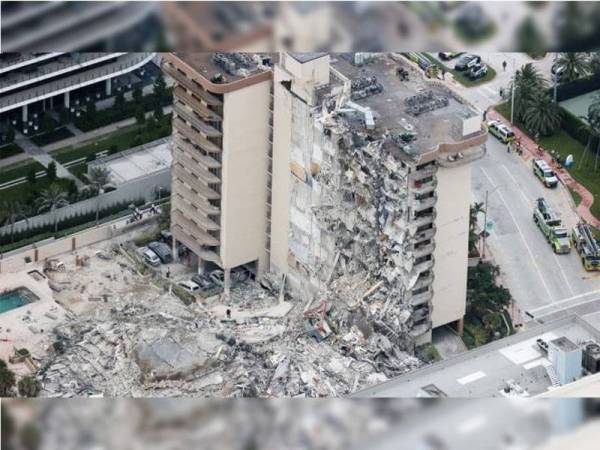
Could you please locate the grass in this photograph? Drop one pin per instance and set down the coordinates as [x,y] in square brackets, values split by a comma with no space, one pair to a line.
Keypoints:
[26,193]
[461,76]
[122,139]
[8,150]
[582,171]
[576,197]
[18,170]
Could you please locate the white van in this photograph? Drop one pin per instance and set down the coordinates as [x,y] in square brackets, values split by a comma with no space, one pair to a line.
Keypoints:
[544,172]
[151,258]
[189,286]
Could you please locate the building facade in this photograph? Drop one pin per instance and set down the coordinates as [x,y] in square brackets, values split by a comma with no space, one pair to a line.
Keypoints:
[340,184]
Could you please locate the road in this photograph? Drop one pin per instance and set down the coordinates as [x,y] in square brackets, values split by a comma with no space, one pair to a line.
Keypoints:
[541,282]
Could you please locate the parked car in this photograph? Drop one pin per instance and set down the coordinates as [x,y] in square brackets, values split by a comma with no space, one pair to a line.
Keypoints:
[207,286]
[166,237]
[162,250]
[467,61]
[478,71]
[447,56]
[238,275]
[151,258]
[189,286]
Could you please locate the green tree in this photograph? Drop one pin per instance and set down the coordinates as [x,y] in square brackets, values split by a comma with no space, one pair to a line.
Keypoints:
[151,125]
[572,65]
[474,210]
[158,111]
[99,179]
[7,380]
[12,211]
[140,115]
[527,82]
[119,102]
[51,171]
[10,135]
[160,88]
[51,199]
[593,119]
[28,387]
[137,95]
[31,176]
[542,115]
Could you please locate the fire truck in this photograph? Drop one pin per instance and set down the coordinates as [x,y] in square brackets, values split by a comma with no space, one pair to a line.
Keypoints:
[586,245]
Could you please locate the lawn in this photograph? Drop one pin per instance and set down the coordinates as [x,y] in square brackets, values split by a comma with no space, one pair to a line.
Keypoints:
[18,170]
[122,139]
[10,150]
[461,76]
[583,172]
[26,193]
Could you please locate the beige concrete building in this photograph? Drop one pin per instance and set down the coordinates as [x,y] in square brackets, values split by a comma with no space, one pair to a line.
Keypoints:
[221,147]
[324,171]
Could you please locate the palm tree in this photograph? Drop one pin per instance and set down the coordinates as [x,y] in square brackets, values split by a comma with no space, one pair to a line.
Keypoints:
[542,116]
[99,178]
[591,132]
[593,119]
[12,211]
[528,82]
[52,199]
[572,65]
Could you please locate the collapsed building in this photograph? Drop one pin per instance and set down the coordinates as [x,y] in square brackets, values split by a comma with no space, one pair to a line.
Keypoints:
[320,171]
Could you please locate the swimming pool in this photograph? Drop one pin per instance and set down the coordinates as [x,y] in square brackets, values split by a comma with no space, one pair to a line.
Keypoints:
[15,298]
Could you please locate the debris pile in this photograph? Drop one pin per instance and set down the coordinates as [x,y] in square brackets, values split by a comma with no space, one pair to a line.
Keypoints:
[365,87]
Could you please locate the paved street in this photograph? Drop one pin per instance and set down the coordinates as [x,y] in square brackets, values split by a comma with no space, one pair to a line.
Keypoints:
[535,275]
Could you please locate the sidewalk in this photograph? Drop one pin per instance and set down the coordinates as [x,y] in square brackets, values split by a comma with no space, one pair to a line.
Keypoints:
[530,147]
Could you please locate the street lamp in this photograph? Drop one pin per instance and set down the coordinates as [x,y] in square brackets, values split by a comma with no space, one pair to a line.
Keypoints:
[160,188]
[484,234]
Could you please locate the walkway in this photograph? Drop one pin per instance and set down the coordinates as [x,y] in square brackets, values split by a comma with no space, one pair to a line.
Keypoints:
[13,159]
[45,159]
[530,148]
[98,132]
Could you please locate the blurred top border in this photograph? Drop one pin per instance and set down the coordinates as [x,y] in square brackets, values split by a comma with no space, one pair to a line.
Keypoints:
[531,27]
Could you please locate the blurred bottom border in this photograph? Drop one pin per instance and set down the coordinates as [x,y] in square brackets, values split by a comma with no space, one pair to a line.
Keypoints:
[253,424]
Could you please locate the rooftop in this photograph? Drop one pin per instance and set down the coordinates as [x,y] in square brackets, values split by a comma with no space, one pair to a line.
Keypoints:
[441,125]
[138,161]
[225,68]
[487,371]
[307,56]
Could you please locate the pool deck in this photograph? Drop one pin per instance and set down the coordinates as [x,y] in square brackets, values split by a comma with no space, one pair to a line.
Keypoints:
[28,326]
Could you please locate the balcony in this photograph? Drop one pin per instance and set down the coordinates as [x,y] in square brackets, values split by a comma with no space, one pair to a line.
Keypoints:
[201,204]
[187,115]
[193,230]
[210,255]
[425,219]
[203,190]
[426,203]
[196,215]
[419,314]
[184,81]
[424,188]
[181,146]
[192,243]
[193,166]
[425,235]
[424,266]
[423,297]
[424,250]
[416,175]
[193,136]
[203,111]
[423,282]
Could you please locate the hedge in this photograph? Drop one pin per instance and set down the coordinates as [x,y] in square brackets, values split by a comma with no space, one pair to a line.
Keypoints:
[581,86]
[40,232]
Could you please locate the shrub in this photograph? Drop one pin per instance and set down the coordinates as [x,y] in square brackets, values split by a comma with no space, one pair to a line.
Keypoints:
[28,387]
[51,171]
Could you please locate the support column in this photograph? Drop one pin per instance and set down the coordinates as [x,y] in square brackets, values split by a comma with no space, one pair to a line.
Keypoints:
[175,253]
[460,326]
[67,100]
[108,86]
[51,102]
[24,111]
[227,282]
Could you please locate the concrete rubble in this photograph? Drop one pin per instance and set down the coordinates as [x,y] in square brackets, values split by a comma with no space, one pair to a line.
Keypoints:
[144,342]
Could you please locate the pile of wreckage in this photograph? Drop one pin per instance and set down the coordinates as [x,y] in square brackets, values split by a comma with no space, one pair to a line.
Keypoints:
[425,102]
[149,344]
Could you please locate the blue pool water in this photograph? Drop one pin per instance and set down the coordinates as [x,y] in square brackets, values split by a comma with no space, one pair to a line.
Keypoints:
[15,299]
